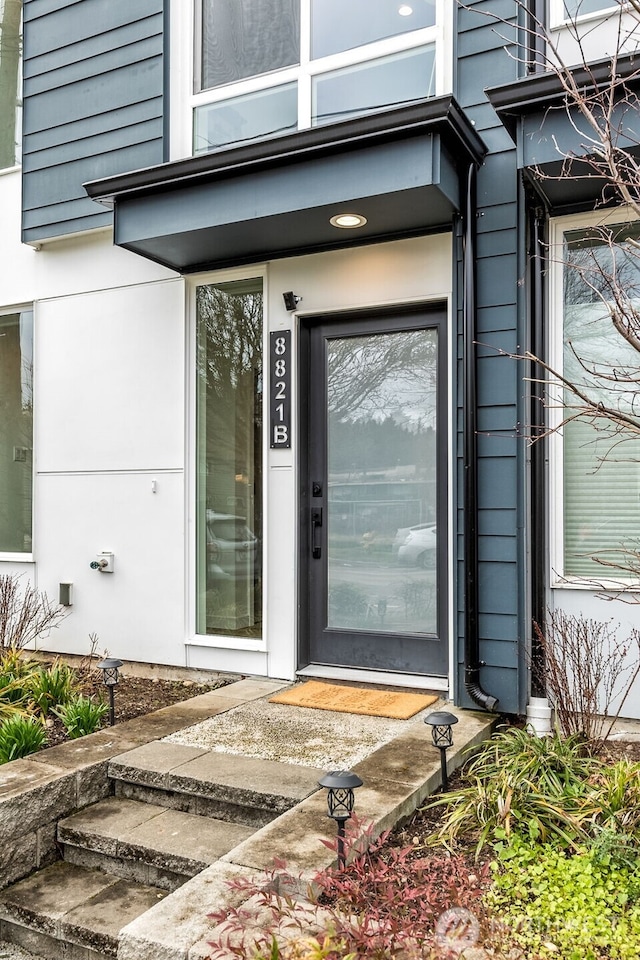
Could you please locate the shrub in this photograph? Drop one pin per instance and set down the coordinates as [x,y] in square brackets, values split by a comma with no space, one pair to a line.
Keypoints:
[24,614]
[20,736]
[523,783]
[80,716]
[379,907]
[51,687]
[567,907]
[586,669]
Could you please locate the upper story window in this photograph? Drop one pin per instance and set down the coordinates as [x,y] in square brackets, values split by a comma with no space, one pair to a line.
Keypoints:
[268,67]
[10,82]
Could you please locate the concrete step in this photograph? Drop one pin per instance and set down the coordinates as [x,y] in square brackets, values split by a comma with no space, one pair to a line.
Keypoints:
[66,912]
[146,842]
[210,784]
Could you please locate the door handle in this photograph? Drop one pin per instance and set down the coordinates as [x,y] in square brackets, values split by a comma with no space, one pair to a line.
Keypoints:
[316,521]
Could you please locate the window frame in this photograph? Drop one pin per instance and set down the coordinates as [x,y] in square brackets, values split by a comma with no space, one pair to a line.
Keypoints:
[185,57]
[8,556]
[558,17]
[557,576]
[220,641]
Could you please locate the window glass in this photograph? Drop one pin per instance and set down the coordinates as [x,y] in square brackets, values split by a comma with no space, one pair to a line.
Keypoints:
[579,8]
[338,26]
[250,117]
[10,82]
[229,444]
[388,82]
[16,431]
[242,38]
[601,462]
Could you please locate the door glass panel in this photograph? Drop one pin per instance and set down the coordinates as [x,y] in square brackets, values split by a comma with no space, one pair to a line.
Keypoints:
[338,26]
[387,82]
[229,439]
[381,469]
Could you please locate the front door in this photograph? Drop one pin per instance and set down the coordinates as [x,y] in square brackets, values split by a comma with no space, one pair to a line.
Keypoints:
[373,514]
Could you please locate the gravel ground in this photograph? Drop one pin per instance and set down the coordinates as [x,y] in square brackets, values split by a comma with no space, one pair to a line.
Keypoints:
[312,738]
[9,952]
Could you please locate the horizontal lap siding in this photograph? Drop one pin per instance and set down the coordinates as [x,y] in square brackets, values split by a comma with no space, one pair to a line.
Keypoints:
[483,62]
[93,105]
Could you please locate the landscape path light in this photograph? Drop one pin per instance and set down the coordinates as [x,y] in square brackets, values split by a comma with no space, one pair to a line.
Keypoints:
[340,785]
[441,723]
[110,667]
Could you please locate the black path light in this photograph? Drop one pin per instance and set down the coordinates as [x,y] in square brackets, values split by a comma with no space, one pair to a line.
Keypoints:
[110,678]
[340,785]
[441,723]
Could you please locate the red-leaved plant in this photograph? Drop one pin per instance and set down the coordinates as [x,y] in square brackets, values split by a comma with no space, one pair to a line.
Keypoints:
[385,903]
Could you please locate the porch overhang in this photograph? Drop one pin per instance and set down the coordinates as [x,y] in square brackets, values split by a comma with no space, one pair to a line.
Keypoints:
[553,138]
[400,169]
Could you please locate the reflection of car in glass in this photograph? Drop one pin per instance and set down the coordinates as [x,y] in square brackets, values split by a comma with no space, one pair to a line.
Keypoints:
[232,549]
[417,545]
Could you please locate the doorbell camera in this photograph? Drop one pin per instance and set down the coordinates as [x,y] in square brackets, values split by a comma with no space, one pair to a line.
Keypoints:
[291,301]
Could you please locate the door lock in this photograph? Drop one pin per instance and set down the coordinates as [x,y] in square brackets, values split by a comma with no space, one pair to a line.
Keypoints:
[316,522]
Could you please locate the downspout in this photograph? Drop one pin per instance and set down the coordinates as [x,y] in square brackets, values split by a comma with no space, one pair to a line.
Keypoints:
[538,452]
[539,713]
[472,662]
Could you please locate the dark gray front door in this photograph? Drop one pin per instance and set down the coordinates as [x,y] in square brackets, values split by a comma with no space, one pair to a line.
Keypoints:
[373,588]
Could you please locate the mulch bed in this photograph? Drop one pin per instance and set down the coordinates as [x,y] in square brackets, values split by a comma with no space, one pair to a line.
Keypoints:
[134,696]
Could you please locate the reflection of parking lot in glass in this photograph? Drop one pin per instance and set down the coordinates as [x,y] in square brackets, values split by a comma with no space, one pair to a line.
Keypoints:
[369,589]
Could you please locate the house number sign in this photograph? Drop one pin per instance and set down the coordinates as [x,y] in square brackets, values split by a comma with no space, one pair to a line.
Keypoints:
[280,381]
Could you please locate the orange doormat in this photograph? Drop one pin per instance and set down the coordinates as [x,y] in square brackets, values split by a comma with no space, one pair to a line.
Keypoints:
[342,699]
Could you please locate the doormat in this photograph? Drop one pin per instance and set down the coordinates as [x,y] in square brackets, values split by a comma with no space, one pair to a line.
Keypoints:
[343,699]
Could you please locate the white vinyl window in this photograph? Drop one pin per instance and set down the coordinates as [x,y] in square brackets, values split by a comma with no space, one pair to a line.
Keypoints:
[277,66]
[229,333]
[597,488]
[16,431]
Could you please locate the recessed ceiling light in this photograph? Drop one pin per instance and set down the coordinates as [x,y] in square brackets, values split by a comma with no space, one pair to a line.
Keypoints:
[348,220]
[405,10]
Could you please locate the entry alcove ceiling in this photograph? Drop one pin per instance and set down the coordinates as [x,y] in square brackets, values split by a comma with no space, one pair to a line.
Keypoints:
[401,169]
[552,137]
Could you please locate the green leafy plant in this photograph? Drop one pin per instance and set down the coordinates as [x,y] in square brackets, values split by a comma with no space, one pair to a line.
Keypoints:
[81,716]
[53,686]
[572,907]
[20,736]
[523,783]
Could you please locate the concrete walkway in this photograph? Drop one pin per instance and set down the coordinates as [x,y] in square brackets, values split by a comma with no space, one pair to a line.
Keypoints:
[395,759]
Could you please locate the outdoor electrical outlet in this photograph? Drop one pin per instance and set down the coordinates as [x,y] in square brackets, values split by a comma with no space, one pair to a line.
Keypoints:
[65,594]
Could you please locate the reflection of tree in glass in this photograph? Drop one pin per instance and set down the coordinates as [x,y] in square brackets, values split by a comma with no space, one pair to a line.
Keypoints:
[381,393]
[230,370]
[16,432]
[370,376]
[10,42]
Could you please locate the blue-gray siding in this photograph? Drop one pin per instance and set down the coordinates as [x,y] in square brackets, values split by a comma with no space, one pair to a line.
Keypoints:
[482,62]
[93,105]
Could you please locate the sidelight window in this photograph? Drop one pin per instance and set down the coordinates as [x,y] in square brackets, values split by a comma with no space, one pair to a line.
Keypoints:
[229,458]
